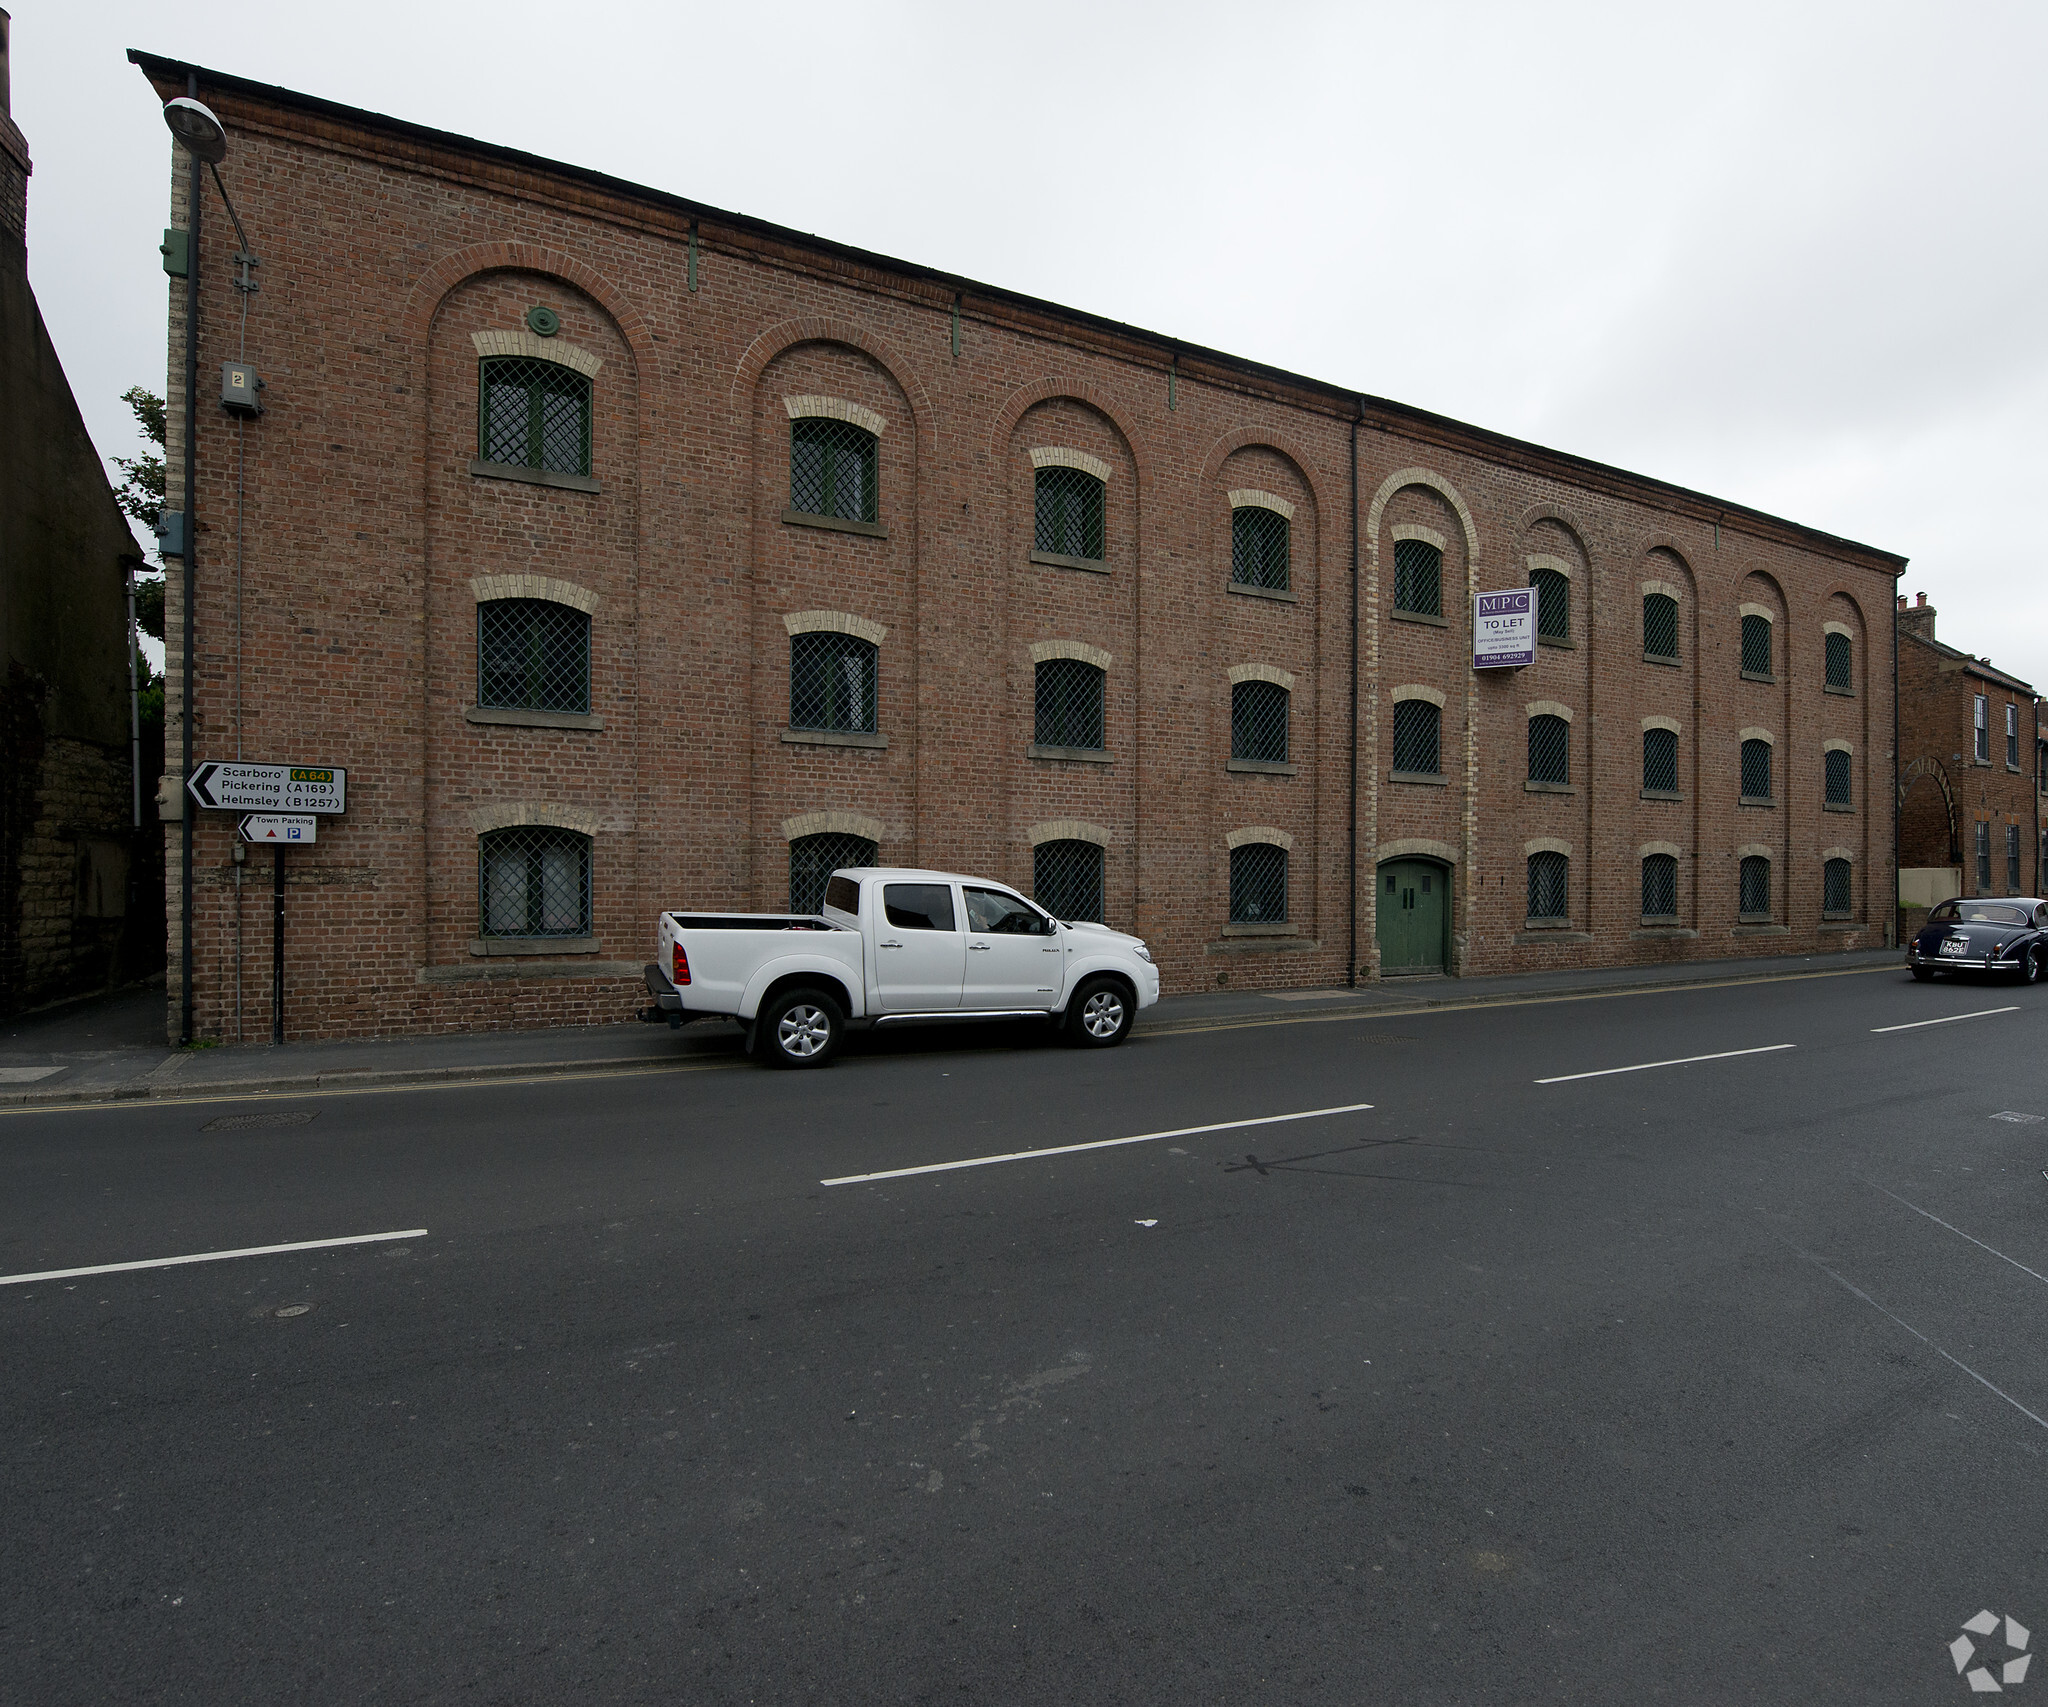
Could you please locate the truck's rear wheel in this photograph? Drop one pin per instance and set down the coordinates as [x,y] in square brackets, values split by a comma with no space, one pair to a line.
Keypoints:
[1099,1016]
[799,1028]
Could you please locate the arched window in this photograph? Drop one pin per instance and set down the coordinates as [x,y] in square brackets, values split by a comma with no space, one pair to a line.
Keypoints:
[1660,761]
[532,655]
[832,682]
[833,470]
[533,880]
[1660,627]
[1756,647]
[1553,605]
[1418,745]
[1660,889]
[1069,695]
[1258,722]
[812,861]
[1756,771]
[1550,749]
[1259,548]
[533,414]
[1754,901]
[1066,879]
[1838,768]
[1418,577]
[1549,889]
[1258,884]
[1839,679]
[1835,895]
[1069,505]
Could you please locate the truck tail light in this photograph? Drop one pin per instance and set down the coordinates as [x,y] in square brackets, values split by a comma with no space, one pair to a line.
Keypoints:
[679,965]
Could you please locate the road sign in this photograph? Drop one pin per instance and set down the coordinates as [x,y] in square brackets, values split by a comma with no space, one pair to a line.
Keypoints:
[1504,629]
[280,830]
[270,788]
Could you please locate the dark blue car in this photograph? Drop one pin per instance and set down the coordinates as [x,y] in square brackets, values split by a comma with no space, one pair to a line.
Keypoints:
[2009,936]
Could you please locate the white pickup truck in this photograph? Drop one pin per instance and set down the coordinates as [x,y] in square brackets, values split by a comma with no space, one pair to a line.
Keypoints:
[897,947]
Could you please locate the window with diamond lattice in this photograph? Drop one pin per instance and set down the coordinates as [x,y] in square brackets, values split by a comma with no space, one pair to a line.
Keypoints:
[1838,768]
[812,861]
[833,468]
[1836,901]
[1258,722]
[1660,626]
[1418,577]
[1258,548]
[1553,605]
[1660,887]
[1754,882]
[1069,696]
[1069,514]
[1756,646]
[2012,859]
[1418,746]
[1660,761]
[533,880]
[1756,770]
[532,655]
[831,682]
[1258,884]
[533,414]
[1550,749]
[1838,663]
[1066,880]
[1983,859]
[1549,889]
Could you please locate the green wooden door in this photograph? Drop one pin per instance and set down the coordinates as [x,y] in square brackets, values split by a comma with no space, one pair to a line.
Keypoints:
[1413,900]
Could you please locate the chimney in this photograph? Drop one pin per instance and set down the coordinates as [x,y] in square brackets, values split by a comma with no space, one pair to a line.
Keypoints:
[1917,618]
[14,170]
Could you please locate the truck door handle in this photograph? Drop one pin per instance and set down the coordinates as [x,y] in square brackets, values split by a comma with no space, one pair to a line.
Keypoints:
[977,948]
[888,945]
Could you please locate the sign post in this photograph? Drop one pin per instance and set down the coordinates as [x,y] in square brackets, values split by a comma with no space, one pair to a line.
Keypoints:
[1504,629]
[279,831]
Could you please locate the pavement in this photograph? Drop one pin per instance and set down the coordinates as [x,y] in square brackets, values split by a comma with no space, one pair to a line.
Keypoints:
[110,1048]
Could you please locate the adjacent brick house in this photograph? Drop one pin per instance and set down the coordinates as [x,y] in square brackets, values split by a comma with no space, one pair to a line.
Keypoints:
[1971,765]
[632,553]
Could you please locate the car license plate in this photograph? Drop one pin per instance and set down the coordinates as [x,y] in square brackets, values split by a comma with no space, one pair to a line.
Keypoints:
[1955,946]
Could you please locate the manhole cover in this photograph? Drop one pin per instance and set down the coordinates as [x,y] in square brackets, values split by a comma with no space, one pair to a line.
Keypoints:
[2017,1118]
[246,1122]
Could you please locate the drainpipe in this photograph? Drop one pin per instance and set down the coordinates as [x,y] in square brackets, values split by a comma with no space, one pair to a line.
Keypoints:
[191,582]
[1351,963]
[1891,919]
[128,567]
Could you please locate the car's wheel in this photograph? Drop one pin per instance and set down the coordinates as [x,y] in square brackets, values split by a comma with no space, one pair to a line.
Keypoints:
[799,1028]
[2032,965]
[1099,1016]
[1923,974]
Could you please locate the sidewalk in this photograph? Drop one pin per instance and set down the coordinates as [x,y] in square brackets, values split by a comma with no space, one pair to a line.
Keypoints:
[110,1048]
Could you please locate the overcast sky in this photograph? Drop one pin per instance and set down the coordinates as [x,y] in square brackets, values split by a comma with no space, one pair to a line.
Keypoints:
[1791,255]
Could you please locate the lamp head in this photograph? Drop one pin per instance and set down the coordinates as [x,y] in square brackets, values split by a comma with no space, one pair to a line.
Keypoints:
[197,130]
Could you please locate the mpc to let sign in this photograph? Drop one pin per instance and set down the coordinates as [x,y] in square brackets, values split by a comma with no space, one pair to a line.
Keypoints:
[1504,629]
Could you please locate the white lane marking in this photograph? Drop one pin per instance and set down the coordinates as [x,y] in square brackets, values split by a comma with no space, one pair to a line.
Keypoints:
[1959,1233]
[1918,1335]
[1946,1019]
[1682,1061]
[210,1256]
[1098,1144]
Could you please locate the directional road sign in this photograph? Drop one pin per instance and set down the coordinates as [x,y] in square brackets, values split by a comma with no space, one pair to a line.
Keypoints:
[270,788]
[280,829]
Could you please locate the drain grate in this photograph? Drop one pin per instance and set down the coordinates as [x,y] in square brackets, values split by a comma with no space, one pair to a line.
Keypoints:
[2017,1118]
[249,1122]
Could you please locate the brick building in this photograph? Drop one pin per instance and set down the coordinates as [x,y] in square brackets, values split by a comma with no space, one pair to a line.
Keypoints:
[1971,766]
[631,553]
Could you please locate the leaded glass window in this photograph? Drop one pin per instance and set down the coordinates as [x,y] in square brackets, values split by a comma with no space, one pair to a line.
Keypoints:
[1660,887]
[1418,577]
[532,655]
[1836,901]
[1418,746]
[1258,884]
[812,861]
[1549,885]
[1553,605]
[1069,695]
[1259,548]
[1660,626]
[1839,675]
[1839,765]
[1754,901]
[831,682]
[833,470]
[1069,508]
[533,414]
[1066,879]
[1258,722]
[1550,749]
[1660,761]
[1756,770]
[533,880]
[1756,646]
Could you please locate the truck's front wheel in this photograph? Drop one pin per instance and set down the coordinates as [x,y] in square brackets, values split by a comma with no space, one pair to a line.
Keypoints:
[799,1028]
[1099,1016]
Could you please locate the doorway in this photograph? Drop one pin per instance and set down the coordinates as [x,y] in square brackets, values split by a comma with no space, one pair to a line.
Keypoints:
[1413,916]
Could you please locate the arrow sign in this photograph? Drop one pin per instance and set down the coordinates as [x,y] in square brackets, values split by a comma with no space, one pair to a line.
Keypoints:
[269,788]
[280,831]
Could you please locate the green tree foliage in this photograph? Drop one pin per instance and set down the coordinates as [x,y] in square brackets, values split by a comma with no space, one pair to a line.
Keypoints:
[141,496]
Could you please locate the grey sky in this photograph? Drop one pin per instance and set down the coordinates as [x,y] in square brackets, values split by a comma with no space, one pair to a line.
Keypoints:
[1791,255]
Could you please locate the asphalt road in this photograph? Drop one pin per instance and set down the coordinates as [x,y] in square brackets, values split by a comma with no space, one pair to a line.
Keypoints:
[1713,1382]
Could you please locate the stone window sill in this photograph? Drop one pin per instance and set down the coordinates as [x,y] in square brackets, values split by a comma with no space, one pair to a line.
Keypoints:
[1753,924]
[833,738]
[1560,640]
[495,945]
[1278,927]
[1245,592]
[520,719]
[1757,676]
[1053,560]
[1662,794]
[1662,930]
[1084,755]
[1757,800]
[1263,945]
[534,476]
[1263,767]
[2015,769]
[1420,616]
[1427,779]
[1665,659]
[1838,922]
[1846,693]
[498,971]
[1550,788]
[834,524]
[1835,806]
[1536,934]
